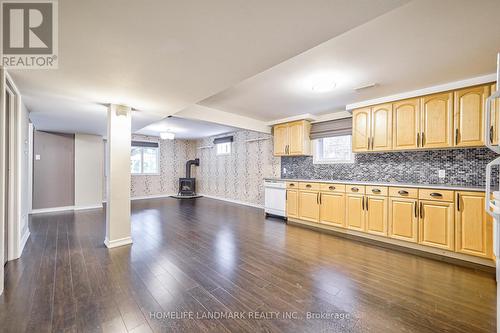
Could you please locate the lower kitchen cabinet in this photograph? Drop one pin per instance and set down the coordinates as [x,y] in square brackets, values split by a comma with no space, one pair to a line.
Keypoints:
[292,203]
[436,224]
[309,206]
[332,209]
[355,212]
[403,219]
[473,234]
[376,215]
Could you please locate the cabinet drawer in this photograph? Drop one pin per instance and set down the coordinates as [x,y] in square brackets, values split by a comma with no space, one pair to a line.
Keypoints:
[403,192]
[435,195]
[309,186]
[376,190]
[339,188]
[360,189]
[292,185]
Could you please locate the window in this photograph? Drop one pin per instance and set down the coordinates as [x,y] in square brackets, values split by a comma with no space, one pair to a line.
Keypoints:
[144,158]
[335,149]
[223,148]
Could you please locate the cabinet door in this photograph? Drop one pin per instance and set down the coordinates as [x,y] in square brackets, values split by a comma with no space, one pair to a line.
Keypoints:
[309,206]
[376,215]
[474,233]
[495,113]
[332,209]
[292,203]
[360,129]
[403,220]
[437,121]
[406,129]
[280,139]
[468,116]
[381,127]
[355,212]
[296,138]
[436,224]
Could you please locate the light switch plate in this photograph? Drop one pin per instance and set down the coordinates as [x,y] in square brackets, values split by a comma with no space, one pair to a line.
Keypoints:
[37,158]
[441,173]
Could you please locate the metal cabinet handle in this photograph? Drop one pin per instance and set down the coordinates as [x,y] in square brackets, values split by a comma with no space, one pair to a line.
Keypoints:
[317,198]
[418,139]
[320,198]
[415,208]
[363,202]
[375,190]
[491,134]
[331,187]
[456,136]
[436,195]
[308,185]
[458,202]
[422,139]
[403,192]
[366,203]
[354,189]
[421,210]
[291,185]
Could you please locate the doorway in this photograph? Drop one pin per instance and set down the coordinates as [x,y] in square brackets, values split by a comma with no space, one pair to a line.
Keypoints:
[9,109]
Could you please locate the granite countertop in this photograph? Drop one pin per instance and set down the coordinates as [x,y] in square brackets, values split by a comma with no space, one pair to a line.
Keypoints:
[375,183]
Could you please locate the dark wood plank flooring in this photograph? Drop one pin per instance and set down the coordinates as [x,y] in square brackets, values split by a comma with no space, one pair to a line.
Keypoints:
[206,257]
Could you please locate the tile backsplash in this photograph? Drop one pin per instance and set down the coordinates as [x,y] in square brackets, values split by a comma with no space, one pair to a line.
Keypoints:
[464,167]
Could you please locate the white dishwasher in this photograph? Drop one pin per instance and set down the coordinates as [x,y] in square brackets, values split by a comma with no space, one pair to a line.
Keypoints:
[275,197]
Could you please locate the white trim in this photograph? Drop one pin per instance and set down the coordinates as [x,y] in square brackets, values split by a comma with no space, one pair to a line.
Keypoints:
[117,242]
[305,116]
[24,240]
[156,196]
[341,114]
[425,91]
[52,210]
[232,201]
[87,207]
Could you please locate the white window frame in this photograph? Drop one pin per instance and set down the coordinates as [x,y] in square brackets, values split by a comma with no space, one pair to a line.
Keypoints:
[142,162]
[317,154]
[225,153]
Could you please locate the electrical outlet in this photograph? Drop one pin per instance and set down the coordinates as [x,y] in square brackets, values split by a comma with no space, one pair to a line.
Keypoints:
[284,171]
[441,173]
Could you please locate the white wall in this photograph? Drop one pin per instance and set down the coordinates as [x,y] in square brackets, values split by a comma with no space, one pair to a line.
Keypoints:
[88,171]
[25,179]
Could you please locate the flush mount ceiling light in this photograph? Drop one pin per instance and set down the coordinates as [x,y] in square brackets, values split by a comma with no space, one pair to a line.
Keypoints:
[167,135]
[323,84]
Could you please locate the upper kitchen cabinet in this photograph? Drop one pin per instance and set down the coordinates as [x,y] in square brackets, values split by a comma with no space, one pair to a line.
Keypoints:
[468,116]
[372,128]
[436,121]
[292,139]
[361,129]
[495,113]
[406,118]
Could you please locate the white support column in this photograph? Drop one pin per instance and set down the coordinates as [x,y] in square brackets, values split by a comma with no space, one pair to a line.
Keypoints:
[118,180]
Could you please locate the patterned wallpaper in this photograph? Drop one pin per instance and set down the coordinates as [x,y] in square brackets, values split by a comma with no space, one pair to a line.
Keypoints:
[238,176]
[173,157]
[463,167]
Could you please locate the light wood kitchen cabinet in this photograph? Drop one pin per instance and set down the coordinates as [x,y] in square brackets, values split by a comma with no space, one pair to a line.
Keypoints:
[473,234]
[332,208]
[355,211]
[468,116]
[381,127]
[292,203]
[406,129]
[403,219]
[309,205]
[292,138]
[495,113]
[376,215]
[436,224]
[280,139]
[360,129]
[436,121]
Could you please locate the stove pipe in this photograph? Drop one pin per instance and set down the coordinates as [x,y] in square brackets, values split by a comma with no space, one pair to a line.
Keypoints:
[196,162]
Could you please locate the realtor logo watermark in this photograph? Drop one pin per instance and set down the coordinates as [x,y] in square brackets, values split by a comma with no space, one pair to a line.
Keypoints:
[29,34]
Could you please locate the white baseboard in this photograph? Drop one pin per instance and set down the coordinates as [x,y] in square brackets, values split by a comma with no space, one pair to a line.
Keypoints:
[233,201]
[117,242]
[156,196]
[52,210]
[24,240]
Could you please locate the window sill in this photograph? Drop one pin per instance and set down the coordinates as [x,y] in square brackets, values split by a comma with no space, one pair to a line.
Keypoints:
[145,174]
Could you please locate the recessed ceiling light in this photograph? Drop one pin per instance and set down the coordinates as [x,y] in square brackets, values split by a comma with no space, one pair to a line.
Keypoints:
[323,84]
[167,135]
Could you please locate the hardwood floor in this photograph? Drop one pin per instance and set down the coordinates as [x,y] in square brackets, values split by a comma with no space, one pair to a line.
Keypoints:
[206,257]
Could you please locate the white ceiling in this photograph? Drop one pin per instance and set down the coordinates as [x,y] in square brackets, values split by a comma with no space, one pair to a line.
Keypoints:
[185,128]
[421,44]
[161,56]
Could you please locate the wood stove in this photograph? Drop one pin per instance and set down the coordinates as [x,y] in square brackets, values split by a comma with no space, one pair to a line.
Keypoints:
[187,185]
